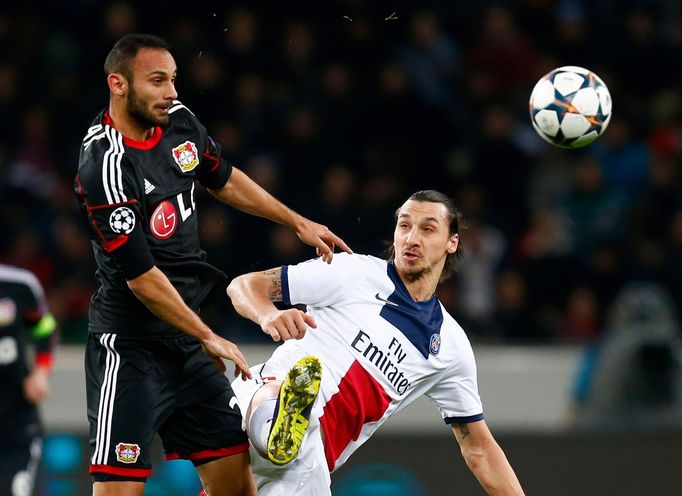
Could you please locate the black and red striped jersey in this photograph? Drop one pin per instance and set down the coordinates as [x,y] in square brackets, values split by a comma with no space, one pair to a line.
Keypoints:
[138,200]
[24,319]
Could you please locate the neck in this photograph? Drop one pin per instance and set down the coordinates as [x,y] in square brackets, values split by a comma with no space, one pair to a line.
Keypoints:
[125,124]
[420,286]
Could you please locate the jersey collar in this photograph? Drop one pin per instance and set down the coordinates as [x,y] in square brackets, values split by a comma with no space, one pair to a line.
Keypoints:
[419,321]
[147,144]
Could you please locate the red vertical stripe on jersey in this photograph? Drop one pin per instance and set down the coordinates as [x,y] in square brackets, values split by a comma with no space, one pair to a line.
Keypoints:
[360,400]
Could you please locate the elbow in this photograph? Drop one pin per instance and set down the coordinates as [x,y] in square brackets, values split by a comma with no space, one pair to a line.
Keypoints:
[136,285]
[233,289]
[475,460]
[141,286]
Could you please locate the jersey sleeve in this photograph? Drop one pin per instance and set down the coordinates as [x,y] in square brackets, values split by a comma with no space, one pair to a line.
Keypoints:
[456,394]
[40,321]
[109,202]
[318,283]
[214,171]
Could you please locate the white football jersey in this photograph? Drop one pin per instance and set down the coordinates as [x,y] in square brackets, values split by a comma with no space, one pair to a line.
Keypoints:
[379,348]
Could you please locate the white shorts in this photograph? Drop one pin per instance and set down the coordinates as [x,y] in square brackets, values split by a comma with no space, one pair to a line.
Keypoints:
[307,474]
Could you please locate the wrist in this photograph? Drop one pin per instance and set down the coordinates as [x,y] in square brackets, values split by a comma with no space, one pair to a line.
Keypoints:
[265,317]
[297,222]
[206,336]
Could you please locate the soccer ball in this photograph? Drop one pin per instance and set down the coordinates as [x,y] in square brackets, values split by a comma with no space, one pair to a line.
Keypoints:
[570,107]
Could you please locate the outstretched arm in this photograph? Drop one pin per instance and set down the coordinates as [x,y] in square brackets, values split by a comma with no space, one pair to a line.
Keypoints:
[253,295]
[486,460]
[244,194]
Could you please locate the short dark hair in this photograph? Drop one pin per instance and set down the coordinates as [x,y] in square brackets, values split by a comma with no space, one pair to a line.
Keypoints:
[126,49]
[454,220]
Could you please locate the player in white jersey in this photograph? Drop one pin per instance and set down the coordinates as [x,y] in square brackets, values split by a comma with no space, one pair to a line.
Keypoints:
[382,338]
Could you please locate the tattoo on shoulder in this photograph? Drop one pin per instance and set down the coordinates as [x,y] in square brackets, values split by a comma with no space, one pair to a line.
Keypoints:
[463,430]
[275,276]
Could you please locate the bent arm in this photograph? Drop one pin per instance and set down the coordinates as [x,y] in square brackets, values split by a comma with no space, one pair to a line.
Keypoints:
[242,193]
[486,460]
[253,295]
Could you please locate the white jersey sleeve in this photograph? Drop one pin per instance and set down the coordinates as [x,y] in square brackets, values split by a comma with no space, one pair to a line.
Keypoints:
[318,283]
[456,393]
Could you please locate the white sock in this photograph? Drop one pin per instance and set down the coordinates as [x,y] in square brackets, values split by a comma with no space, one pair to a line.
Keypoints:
[260,424]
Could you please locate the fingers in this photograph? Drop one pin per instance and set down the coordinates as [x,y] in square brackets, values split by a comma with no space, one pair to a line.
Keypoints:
[289,324]
[217,347]
[324,249]
[308,319]
[240,363]
[339,242]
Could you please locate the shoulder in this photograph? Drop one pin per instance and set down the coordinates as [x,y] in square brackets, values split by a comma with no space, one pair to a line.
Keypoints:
[21,277]
[182,116]
[344,267]
[101,145]
[104,168]
[356,262]
[450,325]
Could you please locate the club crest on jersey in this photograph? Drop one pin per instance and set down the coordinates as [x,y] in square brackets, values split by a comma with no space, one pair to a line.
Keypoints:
[122,220]
[8,312]
[186,156]
[164,220]
[127,452]
[434,344]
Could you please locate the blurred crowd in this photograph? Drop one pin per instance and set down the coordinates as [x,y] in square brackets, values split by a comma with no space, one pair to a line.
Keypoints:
[342,109]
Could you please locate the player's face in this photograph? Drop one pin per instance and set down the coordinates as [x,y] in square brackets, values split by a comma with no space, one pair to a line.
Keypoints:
[152,89]
[422,239]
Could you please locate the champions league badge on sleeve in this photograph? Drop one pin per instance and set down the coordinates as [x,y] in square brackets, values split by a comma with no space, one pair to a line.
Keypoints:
[434,344]
[186,156]
[122,220]
[127,452]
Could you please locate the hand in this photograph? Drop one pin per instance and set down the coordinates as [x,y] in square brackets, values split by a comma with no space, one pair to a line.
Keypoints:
[218,348]
[287,324]
[36,385]
[321,238]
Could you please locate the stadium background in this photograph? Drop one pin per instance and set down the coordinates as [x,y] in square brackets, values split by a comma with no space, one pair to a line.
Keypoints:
[344,108]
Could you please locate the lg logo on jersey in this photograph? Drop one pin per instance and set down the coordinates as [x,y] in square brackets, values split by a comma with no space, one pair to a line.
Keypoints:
[164,220]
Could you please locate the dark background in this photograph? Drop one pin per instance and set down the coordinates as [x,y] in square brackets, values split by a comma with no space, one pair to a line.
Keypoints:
[342,109]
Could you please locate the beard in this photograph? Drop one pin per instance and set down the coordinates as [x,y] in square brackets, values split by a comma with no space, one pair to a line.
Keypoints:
[139,110]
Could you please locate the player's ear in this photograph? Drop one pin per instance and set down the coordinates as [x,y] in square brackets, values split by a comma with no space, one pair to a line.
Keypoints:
[118,84]
[453,243]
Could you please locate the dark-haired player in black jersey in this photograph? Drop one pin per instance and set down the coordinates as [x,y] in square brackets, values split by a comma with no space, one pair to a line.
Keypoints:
[145,369]
[24,318]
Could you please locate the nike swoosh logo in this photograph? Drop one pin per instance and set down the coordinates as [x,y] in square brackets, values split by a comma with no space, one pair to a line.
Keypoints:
[385,301]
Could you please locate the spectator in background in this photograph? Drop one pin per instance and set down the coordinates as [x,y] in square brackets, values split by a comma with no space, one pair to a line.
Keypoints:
[354,72]
[24,319]
[596,213]
[433,62]
[581,321]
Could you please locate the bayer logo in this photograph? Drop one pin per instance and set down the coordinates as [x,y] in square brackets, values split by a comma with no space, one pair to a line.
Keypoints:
[122,220]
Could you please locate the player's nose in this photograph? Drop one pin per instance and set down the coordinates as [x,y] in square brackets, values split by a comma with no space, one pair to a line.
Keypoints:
[171,92]
[413,236]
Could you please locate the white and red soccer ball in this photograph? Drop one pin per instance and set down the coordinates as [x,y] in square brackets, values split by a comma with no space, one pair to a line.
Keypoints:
[570,107]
